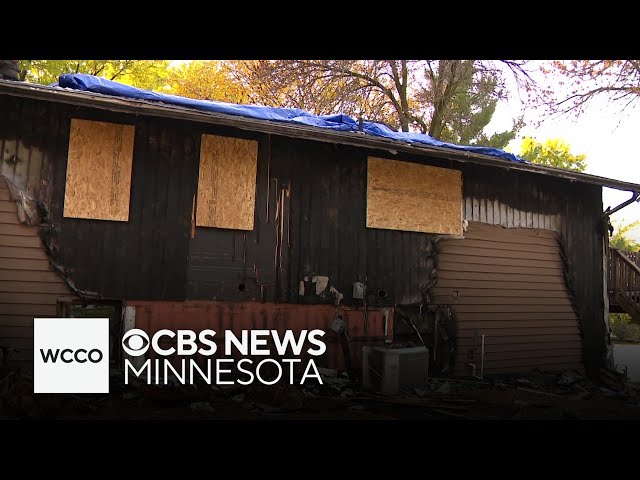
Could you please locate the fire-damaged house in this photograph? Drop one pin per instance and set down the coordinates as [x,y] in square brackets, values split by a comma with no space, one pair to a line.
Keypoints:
[167,212]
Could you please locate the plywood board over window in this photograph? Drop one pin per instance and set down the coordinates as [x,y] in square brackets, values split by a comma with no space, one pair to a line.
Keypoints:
[227,182]
[99,170]
[413,197]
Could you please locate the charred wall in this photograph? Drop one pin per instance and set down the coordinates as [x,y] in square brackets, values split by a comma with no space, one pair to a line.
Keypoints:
[145,257]
[310,216]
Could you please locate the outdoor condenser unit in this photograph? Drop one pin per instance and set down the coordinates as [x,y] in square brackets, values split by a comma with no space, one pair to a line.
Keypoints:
[390,370]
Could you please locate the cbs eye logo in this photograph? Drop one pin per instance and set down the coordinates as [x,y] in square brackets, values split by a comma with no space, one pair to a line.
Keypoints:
[135,342]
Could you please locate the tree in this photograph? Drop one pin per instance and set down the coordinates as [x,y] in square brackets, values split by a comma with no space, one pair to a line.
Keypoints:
[585,80]
[620,238]
[452,100]
[9,69]
[208,80]
[552,153]
[147,74]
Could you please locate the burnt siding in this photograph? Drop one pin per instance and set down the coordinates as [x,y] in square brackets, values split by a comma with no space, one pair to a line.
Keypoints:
[573,210]
[527,202]
[27,130]
[582,244]
[227,264]
[28,286]
[145,257]
[316,226]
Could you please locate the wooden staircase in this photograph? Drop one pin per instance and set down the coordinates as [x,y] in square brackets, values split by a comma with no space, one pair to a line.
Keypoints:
[624,283]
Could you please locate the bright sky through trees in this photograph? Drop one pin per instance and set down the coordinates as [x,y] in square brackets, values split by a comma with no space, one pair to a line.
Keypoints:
[603,133]
[607,136]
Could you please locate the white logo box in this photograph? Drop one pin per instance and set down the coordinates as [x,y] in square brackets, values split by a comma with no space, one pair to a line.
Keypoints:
[71,355]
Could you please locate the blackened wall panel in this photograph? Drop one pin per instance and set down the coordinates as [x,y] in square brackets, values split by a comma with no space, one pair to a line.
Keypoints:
[145,257]
[309,220]
[237,264]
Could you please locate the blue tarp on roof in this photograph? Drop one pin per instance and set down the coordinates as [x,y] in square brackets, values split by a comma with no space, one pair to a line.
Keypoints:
[339,122]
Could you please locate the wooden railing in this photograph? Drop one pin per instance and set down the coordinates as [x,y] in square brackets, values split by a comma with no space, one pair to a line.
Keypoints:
[634,257]
[624,281]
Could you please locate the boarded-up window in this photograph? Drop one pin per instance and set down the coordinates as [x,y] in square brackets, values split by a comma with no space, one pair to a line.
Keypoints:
[413,197]
[99,170]
[227,182]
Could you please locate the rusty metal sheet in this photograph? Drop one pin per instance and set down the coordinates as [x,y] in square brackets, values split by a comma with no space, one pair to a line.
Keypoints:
[152,316]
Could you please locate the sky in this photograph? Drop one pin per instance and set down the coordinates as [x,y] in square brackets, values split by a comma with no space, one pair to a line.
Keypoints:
[607,137]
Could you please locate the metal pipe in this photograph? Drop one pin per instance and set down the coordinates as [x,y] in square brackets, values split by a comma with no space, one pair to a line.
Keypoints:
[435,338]
[385,315]
[634,197]
[482,359]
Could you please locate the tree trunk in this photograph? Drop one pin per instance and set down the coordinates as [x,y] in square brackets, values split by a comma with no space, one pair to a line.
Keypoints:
[9,70]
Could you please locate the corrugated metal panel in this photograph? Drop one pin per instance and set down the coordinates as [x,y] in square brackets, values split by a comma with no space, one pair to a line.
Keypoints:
[523,308]
[28,286]
[235,316]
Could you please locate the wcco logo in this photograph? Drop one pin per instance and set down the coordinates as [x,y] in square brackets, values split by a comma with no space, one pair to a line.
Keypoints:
[81,355]
[71,355]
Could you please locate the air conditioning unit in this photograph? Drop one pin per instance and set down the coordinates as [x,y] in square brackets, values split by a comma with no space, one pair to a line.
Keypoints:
[391,370]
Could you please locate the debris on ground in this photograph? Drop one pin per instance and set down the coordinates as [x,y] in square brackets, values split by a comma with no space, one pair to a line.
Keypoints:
[205,407]
[538,395]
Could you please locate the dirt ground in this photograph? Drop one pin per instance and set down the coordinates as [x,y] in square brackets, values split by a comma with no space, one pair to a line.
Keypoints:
[542,395]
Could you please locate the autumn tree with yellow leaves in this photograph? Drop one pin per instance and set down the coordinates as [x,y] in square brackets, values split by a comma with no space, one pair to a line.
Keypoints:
[451,100]
[552,153]
[147,74]
[207,80]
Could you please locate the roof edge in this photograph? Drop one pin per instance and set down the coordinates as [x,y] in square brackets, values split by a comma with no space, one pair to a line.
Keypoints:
[126,105]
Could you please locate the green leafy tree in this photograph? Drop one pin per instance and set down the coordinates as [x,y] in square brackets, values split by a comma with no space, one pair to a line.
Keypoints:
[474,94]
[147,74]
[552,153]
[452,100]
[621,239]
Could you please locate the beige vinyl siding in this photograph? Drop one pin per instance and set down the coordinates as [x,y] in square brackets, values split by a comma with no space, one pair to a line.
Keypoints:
[28,286]
[508,284]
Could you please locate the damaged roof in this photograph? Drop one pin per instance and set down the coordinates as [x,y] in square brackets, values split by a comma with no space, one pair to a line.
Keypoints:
[87,90]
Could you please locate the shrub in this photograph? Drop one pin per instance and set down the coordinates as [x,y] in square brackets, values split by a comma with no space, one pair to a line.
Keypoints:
[622,327]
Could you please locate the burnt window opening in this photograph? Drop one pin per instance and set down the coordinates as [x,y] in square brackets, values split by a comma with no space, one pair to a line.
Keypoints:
[111,309]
